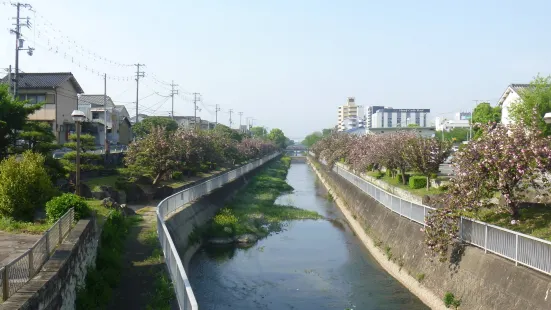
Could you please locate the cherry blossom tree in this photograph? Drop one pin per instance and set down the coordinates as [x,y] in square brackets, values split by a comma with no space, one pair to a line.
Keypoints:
[425,155]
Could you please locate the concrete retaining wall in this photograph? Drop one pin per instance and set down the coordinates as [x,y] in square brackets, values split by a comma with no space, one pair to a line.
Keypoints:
[482,281]
[181,223]
[55,286]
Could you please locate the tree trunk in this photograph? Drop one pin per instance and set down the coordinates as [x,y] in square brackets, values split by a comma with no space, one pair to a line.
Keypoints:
[428,182]
[403,172]
[514,210]
[157,178]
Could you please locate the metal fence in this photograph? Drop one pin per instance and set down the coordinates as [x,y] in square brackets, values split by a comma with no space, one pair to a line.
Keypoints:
[182,287]
[22,269]
[523,249]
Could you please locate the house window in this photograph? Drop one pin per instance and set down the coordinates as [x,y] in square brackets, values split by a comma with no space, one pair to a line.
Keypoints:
[389,119]
[95,115]
[32,98]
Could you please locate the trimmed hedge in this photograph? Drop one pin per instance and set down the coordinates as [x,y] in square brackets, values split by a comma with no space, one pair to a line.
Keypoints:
[399,177]
[417,181]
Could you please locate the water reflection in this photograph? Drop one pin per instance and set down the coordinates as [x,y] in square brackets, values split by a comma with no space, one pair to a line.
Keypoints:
[308,265]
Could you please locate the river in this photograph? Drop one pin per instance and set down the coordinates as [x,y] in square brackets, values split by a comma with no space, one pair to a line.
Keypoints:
[311,265]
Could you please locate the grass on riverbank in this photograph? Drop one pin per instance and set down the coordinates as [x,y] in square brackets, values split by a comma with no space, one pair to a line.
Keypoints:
[253,211]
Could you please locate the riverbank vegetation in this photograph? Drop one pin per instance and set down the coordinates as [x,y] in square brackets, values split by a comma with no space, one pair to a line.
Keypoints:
[253,210]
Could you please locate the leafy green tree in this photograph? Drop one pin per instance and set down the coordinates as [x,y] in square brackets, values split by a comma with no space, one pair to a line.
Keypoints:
[228,132]
[483,114]
[24,186]
[311,139]
[259,132]
[327,132]
[277,136]
[537,97]
[13,117]
[144,127]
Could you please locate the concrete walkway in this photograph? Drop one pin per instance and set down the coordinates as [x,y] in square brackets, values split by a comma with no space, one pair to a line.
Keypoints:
[13,245]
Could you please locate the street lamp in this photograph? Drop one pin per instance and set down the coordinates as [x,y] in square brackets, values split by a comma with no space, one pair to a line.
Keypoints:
[78,117]
[547,118]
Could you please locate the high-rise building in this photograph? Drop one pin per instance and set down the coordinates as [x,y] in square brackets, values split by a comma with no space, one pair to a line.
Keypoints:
[370,111]
[350,115]
[388,117]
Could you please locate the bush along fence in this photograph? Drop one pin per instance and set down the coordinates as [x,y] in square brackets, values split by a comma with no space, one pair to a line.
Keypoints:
[22,269]
[182,287]
[523,249]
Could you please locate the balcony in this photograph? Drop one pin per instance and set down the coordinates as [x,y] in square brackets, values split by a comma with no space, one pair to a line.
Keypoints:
[46,113]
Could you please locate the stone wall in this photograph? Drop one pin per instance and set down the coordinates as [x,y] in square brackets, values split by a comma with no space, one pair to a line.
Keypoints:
[482,281]
[55,286]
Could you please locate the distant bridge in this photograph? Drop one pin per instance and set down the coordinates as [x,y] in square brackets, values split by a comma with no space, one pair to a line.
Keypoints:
[296,150]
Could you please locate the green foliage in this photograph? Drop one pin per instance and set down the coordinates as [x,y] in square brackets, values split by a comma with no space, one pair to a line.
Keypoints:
[228,132]
[59,205]
[413,125]
[13,117]
[24,186]
[388,252]
[399,177]
[258,132]
[38,137]
[145,127]
[537,97]
[451,301]
[420,277]
[311,139]
[484,114]
[177,175]
[456,135]
[88,161]
[417,181]
[100,282]
[225,218]
[277,137]
[163,294]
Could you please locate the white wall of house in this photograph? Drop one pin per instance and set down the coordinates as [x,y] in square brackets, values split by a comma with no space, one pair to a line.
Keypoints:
[511,99]
[67,102]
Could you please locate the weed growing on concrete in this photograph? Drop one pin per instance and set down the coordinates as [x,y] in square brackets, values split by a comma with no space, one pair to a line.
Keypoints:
[388,252]
[194,236]
[420,277]
[400,263]
[378,243]
[329,197]
[451,301]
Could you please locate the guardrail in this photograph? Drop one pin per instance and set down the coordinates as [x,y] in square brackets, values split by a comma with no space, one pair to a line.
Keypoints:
[182,287]
[22,269]
[523,249]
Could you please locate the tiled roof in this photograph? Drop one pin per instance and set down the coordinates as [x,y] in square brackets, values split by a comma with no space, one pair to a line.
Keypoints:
[94,99]
[519,87]
[45,80]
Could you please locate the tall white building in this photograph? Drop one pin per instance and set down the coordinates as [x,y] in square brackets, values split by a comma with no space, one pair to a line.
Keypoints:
[350,115]
[388,117]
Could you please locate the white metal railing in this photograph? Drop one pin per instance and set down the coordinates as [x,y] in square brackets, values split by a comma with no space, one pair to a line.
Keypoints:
[182,287]
[523,249]
[22,269]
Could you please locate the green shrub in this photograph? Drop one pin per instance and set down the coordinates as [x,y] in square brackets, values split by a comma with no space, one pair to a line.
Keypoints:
[417,181]
[24,186]
[388,173]
[451,301]
[59,205]
[177,175]
[399,177]
[225,218]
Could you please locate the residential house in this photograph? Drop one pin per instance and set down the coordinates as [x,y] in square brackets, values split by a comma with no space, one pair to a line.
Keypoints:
[98,117]
[124,131]
[58,91]
[510,97]
[187,121]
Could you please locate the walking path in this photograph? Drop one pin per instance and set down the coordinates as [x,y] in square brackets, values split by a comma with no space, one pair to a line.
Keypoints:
[141,263]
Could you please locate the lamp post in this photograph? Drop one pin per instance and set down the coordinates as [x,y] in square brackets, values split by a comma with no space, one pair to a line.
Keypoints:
[78,117]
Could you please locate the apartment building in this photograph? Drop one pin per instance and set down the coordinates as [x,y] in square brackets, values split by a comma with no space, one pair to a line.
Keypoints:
[350,115]
[388,117]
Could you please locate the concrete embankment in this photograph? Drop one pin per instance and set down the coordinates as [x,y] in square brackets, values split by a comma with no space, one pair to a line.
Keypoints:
[197,213]
[482,281]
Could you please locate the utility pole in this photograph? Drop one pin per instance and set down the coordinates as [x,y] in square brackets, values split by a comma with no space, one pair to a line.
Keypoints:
[195,109]
[216,114]
[106,142]
[19,42]
[139,74]
[172,93]
[231,111]
[10,89]
[240,116]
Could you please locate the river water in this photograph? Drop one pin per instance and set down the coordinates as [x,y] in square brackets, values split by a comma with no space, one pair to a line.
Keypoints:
[311,265]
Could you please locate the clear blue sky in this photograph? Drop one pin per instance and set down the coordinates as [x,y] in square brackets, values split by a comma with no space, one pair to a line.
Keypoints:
[289,64]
